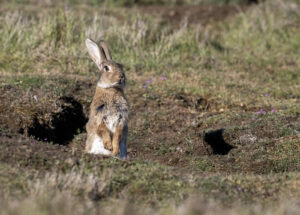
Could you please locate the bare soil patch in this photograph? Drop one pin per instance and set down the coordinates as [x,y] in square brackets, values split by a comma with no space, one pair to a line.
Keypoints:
[159,124]
[169,129]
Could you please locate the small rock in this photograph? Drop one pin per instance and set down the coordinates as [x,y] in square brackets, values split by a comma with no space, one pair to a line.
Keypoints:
[35,98]
[247,139]
[179,149]
[194,123]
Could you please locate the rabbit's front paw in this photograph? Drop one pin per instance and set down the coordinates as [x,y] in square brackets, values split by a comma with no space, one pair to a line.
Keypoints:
[107,145]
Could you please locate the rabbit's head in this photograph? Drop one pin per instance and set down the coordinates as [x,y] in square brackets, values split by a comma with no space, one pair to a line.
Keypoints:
[111,73]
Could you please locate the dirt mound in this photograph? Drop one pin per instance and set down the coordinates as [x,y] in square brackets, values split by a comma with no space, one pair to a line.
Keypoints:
[62,124]
[41,114]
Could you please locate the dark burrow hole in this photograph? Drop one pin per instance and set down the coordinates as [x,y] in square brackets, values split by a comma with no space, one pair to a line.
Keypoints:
[61,126]
[217,143]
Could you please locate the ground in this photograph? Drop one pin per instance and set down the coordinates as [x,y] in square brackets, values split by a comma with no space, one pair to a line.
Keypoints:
[214,97]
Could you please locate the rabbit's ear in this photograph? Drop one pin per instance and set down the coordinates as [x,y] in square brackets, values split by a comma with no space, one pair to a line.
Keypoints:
[95,52]
[105,48]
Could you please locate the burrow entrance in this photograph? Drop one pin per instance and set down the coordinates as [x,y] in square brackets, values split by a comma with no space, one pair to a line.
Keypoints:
[217,143]
[60,127]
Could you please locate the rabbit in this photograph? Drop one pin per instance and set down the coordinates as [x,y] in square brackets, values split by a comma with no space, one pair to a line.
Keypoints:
[107,127]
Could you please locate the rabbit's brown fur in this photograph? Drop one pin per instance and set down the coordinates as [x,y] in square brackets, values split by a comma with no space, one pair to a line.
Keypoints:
[109,110]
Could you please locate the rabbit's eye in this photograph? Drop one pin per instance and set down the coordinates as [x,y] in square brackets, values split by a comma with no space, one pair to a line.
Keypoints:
[106,68]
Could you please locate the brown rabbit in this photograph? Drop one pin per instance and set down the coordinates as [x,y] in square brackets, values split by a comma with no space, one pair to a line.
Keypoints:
[107,127]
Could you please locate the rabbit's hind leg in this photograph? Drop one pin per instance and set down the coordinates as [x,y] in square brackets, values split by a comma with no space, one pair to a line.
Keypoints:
[123,145]
[105,134]
[94,145]
[119,140]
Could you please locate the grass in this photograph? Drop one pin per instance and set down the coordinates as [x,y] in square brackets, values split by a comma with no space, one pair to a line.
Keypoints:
[86,190]
[185,80]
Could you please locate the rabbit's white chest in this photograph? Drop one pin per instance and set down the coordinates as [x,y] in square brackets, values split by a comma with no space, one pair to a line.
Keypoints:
[112,122]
